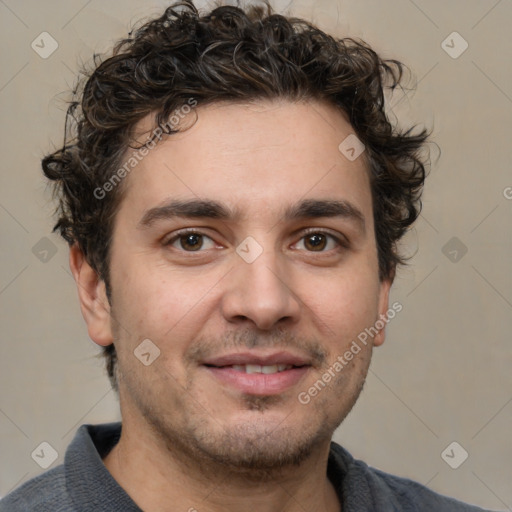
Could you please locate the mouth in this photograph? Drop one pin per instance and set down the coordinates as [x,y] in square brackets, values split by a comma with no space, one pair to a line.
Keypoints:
[257,374]
[258,368]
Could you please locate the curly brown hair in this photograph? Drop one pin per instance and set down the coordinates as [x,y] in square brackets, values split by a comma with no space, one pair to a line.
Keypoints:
[227,54]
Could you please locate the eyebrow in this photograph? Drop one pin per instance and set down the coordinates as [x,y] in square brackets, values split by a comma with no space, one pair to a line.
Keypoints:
[319,208]
[203,208]
[193,209]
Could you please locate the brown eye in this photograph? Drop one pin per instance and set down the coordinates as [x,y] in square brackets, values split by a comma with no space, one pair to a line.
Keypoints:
[319,241]
[315,242]
[192,241]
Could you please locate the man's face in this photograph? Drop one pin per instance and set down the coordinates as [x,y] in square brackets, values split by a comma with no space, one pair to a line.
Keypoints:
[258,290]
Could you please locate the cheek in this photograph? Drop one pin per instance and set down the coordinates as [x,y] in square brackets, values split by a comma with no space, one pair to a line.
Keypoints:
[343,305]
[169,308]
[153,308]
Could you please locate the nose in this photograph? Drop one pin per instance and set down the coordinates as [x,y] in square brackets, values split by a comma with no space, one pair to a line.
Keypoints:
[261,292]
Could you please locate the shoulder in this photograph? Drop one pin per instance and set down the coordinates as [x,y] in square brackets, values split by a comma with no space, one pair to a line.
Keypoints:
[81,483]
[42,493]
[409,492]
[389,492]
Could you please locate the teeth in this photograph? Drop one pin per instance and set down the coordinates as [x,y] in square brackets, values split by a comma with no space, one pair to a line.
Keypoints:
[252,368]
[256,368]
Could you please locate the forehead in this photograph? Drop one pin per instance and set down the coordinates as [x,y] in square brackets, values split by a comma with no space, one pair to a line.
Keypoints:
[257,158]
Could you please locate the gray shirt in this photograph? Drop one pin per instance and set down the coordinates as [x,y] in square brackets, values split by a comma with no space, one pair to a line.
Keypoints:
[83,483]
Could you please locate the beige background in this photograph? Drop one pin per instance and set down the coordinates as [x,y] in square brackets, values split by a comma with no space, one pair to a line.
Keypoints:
[443,374]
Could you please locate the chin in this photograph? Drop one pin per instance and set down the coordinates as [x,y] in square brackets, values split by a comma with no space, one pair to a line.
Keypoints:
[250,448]
[257,443]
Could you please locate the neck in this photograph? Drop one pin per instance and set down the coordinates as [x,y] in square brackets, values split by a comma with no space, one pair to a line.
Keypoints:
[159,478]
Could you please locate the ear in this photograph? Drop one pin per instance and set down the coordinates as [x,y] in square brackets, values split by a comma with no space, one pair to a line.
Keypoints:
[93,298]
[385,286]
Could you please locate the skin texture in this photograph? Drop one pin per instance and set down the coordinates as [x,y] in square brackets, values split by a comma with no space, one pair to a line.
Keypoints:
[190,440]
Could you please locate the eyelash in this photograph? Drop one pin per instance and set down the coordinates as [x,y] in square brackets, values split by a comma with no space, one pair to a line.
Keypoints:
[340,241]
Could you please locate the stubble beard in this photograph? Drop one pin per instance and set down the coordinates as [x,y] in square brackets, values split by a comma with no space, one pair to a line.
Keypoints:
[255,449]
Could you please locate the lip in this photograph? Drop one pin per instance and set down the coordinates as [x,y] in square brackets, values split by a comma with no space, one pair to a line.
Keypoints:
[220,368]
[258,383]
[241,358]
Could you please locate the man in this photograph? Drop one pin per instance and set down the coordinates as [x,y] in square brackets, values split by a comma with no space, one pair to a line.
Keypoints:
[232,195]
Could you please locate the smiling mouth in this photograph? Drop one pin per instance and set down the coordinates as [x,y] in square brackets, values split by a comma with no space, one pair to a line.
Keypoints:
[256,379]
[258,368]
